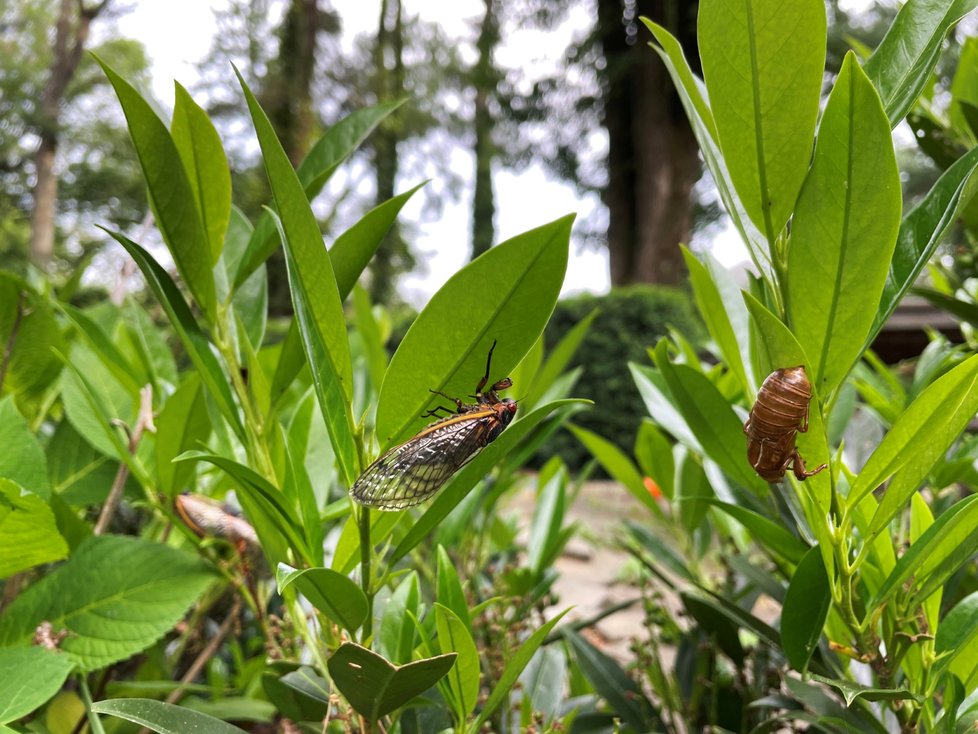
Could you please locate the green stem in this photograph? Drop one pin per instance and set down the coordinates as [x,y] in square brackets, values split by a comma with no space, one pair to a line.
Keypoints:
[366,549]
[93,720]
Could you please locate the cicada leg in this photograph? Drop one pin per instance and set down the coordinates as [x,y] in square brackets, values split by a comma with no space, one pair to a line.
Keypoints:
[803,428]
[485,377]
[798,466]
[458,403]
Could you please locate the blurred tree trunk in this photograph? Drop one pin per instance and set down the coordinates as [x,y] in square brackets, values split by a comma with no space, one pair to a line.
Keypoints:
[71,33]
[652,154]
[392,255]
[485,79]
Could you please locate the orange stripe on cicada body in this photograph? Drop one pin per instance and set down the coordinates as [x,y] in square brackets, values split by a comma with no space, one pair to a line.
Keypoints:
[780,412]
[412,472]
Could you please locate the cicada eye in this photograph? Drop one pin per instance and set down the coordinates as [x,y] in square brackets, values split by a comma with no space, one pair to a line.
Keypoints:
[503,384]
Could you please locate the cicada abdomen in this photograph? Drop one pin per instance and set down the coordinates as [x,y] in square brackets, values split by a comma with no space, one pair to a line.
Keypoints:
[780,412]
[205,517]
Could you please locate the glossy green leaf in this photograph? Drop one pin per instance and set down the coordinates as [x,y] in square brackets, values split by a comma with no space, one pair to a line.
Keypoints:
[767,533]
[515,664]
[964,88]
[30,676]
[274,520]
[617,464]
[957,637]
[22,459]
[334,147]
[28,532]
[353,249]
[171,196]
[740,617]
[902,64]
[852,691]
[250,299]
[546,528]
[722,307]
[764,93]
[397,634]
[611,682]
[717,627]
[506,295]
[206,166]
[183,322]
[653,452]
[947,545]
[291,360]
[844,229]
[658,401]
[462,681]
[375,687]
[332,593]
[299,487]
[558,359]
[922,433]
[923,229]
[181,425]
[315,297]
[300,694]
[108,353]
[467,477]
[805,609]
[716,427]
[449,592]
[369,331]
[692,94]
[147,346]
[165,718]
[143,587]
[32,364]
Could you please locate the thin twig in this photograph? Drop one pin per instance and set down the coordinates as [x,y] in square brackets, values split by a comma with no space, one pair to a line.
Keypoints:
[144,422]
[8,350]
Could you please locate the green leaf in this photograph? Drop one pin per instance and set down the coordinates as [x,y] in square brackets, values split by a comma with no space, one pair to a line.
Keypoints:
[515,664]
[964,90]
[171,196]
[353,249]
[617,464]
[717,428]
[31,676]
[463,678]
[250,299]
[396,635]
[143,587]
[79,474]
[957,638]
[769,534]
[206,166]
[301,694]
[658,401]
[806,607]
[274,521]
[717,627]
[623,695]
[335,146]
[653,452]
[692,94]
[28,532]
[923,229]
[108,353]
[33,364]
[558,359]
[165,718]
[902,64]
[375,687]
[720,304]
[181,425]
[463,481]
[852,691]
[332,593]
[921,434]
[507,295]
[946,545]
[546,529]
[315,297]
[764,92]
[22,459]
[183,322]
[291,360]
[844,229]
[369,331]
[449,592]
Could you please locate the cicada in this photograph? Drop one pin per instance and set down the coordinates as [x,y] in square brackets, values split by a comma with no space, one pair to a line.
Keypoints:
[205,517]
[412,472]
[781,411]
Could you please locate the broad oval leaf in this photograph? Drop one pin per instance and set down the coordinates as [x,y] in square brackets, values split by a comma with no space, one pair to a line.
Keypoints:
[506,295]
[143,587]
[806,607]
[332,593]
[29,676]
[844,229]
[165,718]
[374,686]
[22,459]
[28,531]
[763,62]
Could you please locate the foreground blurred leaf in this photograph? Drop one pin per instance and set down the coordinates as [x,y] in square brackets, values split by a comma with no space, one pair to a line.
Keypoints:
[29,676]
[143,587]
[22,459]
[165,718]
[28,532]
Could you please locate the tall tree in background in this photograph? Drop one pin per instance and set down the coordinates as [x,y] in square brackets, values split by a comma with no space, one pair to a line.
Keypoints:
[486,78]
[71,34]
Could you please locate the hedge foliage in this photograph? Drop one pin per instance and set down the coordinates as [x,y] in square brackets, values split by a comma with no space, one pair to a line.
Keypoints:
[630,320]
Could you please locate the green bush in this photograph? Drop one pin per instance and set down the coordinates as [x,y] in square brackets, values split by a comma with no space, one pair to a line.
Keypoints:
[630,320]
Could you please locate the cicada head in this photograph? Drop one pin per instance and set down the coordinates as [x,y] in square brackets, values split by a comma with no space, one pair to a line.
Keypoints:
[505,410]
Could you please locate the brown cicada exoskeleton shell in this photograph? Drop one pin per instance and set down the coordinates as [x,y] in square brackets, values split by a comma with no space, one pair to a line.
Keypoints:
[780,412]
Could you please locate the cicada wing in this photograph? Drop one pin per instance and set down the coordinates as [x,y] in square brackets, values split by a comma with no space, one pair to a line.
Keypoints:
[409,474]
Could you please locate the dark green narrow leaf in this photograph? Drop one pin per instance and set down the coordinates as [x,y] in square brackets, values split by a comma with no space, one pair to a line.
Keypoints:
[902,64]
[314,293]
[181,425]
[558,359]
[617,464]
[164,718]
[769,534]
[206,165]
[806,607]
[335,146]
[182,319]
[170,194]
[506,295]
[449,588]
[844,229]
[462,680]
